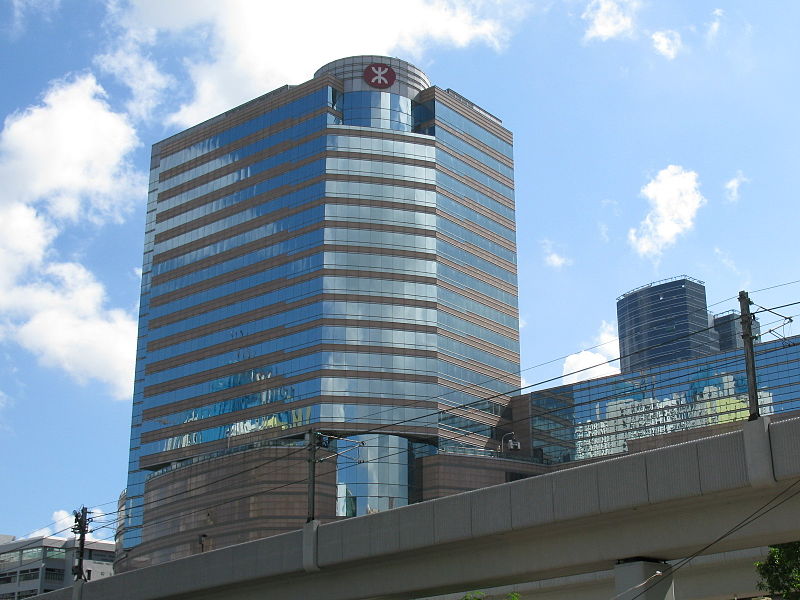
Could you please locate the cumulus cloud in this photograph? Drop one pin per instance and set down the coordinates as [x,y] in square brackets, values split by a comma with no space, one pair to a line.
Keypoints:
[242,43]
[63,161]
[667,43]
[674,197]
[129,63]
[599,361]
[732,186]
[713,27]
[70,152]
[552,258]
[62,522]
[609,19]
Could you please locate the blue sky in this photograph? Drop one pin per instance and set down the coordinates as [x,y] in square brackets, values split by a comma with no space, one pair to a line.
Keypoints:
[652,139]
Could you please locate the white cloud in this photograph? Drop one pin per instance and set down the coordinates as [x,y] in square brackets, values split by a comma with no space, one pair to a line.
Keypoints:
[71,153]
[23,8]
[609,19]
[667,43]
[732,186]
[129,63]
[552,258]
[64,161]
[713,28]
[599,361]
[63,521]
[242,43]
[674,197]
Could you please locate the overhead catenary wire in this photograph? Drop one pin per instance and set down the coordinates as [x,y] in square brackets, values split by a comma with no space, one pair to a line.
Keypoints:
[760,512]
[445,410]
[332,469]
[363,432]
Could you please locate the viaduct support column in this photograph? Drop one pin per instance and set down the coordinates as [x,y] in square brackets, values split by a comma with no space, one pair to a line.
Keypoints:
[643,579]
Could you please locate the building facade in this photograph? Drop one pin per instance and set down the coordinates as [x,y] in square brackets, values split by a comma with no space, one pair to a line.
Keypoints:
[337,255]
[33,566]
[664,322]
[655,407]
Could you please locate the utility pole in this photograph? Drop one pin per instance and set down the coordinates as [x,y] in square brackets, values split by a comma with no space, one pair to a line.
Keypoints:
[81,528]
[312,474]
[749,355]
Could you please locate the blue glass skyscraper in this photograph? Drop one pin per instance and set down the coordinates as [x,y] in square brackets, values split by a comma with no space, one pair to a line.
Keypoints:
[337,255]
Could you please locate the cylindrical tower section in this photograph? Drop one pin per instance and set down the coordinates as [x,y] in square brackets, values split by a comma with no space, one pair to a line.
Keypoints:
[377,90]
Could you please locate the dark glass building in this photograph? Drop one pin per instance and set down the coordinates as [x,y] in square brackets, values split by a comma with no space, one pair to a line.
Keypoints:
[655,407]
[664,322]
[337,255]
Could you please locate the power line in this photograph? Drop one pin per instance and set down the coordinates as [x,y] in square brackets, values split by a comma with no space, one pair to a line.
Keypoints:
[377,429]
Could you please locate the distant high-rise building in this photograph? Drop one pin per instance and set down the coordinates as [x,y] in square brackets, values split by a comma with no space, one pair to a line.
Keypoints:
[337,255]
[664,322]
[729,329]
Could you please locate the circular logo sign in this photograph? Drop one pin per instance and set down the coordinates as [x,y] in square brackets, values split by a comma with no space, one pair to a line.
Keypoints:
[379,75]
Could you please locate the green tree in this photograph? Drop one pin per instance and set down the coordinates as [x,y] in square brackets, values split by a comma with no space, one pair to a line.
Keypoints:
[780,573]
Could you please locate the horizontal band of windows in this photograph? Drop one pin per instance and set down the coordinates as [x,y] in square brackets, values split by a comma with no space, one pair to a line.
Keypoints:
[182,325]
[480,282]
[162,459]
[349,364]
[437,104]
[266,111]
[422,288]
[474,258]
[380,238]
[302,390]
[477,245]
[365,335]
[301,126]
[466,208]
[255,339]
[480,153]
[249,214]
[404,147]
[215,371]
[393,338]
[346,258]
[285,234]
[242,321]
[463,187]
[293,314]
[245,223]
[293,142]
[247,198]
[200,393]
[233,311]
[294,165]
[275,174]
[218,203]
[466,170]
[375,414]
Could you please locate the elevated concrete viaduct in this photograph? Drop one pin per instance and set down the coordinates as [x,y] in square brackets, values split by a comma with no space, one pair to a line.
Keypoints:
[641,509]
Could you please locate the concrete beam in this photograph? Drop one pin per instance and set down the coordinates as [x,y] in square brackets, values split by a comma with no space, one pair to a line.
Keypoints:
[665,504]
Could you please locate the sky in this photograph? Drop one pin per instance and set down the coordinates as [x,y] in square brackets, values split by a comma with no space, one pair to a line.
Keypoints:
[653,138]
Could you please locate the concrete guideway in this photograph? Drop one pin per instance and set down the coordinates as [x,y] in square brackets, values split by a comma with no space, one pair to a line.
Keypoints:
[663,504]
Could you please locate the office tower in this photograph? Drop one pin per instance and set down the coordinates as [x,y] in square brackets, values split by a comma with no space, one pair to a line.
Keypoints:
[729,329]
[664,322]
[337,255]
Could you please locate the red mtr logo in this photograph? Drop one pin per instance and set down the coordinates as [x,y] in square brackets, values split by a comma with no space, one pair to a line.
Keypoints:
[379,75]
